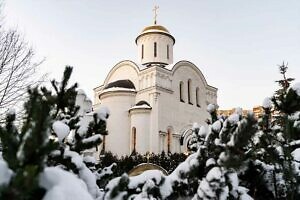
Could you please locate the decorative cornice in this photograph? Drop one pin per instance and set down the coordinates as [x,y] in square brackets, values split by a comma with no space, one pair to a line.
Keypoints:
[139,110]
[155,32]
[156,88]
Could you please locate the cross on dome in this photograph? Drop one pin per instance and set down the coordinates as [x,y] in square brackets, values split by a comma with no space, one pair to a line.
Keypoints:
[155,44]
[155,13]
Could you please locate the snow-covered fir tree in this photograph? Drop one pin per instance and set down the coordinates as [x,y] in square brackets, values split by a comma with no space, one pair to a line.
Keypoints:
[54,133]
[234,157]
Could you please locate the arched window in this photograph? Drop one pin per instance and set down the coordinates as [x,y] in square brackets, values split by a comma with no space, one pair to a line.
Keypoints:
[169,140]
[197,97]
[181,88]
[133,139]
[167,51]
[189,91]
[142,51]
[155,49]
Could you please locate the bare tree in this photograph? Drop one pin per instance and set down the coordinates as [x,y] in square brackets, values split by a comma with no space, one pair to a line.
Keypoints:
[17,69]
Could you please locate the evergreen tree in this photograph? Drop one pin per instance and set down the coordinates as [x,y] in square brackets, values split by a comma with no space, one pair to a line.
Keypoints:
[216,164]
[86,129]
[25,151]
[279,139]
[43,141]
[235,157]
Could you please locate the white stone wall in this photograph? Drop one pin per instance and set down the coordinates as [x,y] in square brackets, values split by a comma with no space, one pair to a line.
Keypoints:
[160,88]
[118,123]
[162,42]
[180,115]
[140,119]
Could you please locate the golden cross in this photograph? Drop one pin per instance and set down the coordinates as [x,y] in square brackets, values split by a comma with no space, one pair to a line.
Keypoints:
[155,13]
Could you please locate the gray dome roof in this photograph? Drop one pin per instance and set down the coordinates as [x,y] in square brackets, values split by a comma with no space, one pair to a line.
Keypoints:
[142,103]
[121,84]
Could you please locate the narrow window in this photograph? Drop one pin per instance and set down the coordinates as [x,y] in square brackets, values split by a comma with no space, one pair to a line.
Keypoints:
[133,139]
[181,91]
[103,143]
[162,142]
[155,49]
[197,97]
[167,51]
[169,140]
[142,51]
[189,91]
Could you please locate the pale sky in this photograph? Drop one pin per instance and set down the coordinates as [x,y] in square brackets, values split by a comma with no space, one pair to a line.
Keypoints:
[237,44]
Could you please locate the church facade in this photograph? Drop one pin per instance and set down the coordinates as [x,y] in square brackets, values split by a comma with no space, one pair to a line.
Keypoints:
[153,102]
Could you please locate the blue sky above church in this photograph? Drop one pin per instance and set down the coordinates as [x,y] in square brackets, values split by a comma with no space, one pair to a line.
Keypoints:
[236,44]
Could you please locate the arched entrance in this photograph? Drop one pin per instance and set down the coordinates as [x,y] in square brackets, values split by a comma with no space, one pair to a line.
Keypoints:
[144,167]
[185,136]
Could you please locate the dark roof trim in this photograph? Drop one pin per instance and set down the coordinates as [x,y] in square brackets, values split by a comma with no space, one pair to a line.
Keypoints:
[142,103]
[120,83]
[161,64]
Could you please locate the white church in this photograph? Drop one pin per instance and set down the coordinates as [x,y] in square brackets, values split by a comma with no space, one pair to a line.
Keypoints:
[153,101]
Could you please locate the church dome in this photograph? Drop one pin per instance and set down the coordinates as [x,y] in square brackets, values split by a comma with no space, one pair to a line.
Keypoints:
[155,28]
[120,84]
[155,44]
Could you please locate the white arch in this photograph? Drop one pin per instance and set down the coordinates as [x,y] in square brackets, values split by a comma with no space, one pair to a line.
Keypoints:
[185,63]
[129,63]
[184,138]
